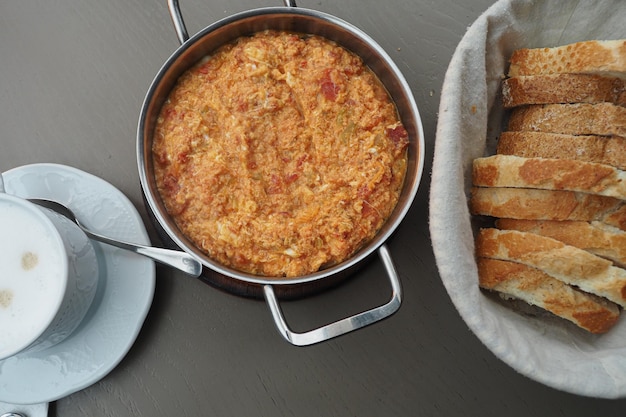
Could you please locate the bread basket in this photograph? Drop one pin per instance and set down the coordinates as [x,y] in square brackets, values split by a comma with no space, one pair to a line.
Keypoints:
[470,119]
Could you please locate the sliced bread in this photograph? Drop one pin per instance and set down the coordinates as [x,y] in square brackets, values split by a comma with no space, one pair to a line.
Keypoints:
[610,150]
[566,263]
[549,174]
[595,237]
[535,204]
[563,88]
[594,314]
[589,57]
[604,119]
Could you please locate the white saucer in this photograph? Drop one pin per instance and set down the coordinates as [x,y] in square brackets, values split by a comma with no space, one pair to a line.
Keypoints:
[123,299]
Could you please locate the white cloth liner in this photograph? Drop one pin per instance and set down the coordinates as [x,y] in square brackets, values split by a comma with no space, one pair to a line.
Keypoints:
[470,118]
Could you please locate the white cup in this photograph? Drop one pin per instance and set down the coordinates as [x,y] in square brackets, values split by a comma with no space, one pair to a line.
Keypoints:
[48,276]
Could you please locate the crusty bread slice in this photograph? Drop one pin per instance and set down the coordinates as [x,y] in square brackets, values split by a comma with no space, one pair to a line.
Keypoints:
[607,57]
[595,237]
[549,174]
[566,263]
[604,119]
[534,204]
[563,88]
[610,150]
[594,314]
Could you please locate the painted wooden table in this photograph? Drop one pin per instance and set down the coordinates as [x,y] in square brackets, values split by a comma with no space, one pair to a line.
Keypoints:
[73,77]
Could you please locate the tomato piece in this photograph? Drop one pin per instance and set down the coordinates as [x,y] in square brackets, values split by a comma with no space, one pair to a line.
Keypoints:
[183,157]
[275,185]
[329,89]
[301,160]
[289,178]
[399,136]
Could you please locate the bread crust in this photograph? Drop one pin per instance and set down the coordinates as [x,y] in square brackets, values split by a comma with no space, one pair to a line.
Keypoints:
[604,119]
[595,237]
[566,263]
[610,150]
[549,174]
[535,287]
[563,88]
[589,57]
[535,204]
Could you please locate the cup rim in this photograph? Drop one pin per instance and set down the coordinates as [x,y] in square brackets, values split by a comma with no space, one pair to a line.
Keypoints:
[64,270]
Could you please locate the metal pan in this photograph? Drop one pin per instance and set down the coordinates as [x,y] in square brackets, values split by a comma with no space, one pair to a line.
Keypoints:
[296,19]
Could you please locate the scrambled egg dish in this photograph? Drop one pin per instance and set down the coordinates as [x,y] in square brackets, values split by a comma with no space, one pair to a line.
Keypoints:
[279,154]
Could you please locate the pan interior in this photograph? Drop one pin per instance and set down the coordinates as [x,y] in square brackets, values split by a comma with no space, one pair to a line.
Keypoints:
[286,19]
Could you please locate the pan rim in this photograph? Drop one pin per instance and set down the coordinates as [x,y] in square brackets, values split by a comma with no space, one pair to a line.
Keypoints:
[415,175]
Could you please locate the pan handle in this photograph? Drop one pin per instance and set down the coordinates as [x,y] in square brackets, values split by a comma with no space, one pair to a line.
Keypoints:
[179,23]
[177,20]
[343,326]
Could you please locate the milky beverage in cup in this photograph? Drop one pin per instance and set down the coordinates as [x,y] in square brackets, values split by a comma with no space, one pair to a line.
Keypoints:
[48,277]
[33,267]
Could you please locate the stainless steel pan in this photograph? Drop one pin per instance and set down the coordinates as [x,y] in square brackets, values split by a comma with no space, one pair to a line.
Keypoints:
[289,18]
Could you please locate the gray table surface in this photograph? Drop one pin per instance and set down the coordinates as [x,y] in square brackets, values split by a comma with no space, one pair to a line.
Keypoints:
[73,77]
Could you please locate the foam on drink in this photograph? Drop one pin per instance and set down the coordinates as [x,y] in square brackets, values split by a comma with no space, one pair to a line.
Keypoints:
[33,270]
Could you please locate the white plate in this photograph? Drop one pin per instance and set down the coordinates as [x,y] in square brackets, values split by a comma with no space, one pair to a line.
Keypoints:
[125,289]
[470,117]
